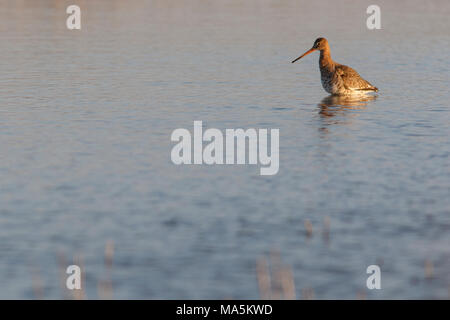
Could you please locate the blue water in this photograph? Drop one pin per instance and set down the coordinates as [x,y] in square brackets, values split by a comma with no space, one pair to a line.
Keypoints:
[85,124]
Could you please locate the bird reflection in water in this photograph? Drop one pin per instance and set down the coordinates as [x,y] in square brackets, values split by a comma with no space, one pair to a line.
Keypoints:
[335,105]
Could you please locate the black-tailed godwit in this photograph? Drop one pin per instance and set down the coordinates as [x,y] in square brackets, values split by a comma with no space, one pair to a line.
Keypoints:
[337,78]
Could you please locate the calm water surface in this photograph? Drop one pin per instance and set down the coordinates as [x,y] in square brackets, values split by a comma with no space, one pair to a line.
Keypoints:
[85,124]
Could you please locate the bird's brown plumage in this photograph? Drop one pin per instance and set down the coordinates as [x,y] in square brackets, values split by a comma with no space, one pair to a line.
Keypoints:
[352,80]
[337,78]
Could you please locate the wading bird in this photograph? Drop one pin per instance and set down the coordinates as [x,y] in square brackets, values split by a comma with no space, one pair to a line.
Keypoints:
[337,78]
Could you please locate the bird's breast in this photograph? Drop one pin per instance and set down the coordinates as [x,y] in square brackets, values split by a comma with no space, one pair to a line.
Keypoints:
[329,81]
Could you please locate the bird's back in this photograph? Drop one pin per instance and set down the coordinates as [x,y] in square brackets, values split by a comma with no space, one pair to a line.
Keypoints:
[351,79]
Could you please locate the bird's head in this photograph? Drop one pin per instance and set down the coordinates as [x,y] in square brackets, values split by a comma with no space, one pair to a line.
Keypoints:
[320,44]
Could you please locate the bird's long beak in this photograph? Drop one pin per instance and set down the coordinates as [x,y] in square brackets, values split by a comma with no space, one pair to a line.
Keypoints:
[307,52]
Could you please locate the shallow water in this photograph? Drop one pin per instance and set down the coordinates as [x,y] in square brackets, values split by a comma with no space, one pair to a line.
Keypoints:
[85,124]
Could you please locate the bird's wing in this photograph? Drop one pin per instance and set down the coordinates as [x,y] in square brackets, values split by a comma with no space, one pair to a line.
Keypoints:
[352,80]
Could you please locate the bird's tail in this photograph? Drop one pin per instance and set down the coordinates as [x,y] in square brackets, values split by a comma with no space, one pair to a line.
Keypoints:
[369,89]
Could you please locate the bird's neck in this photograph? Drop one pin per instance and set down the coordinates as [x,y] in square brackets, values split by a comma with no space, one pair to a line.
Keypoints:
[325,60]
